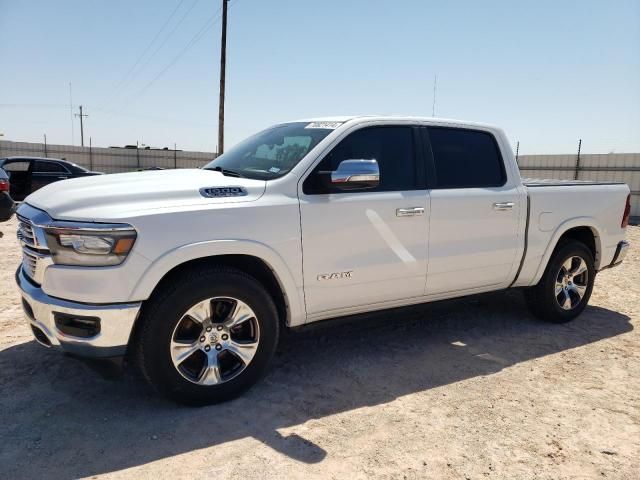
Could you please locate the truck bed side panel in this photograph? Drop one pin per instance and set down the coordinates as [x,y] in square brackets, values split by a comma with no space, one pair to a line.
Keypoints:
[557,206]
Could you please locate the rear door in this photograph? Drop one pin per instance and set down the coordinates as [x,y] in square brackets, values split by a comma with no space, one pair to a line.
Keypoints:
[19,177]
[475,212]
[45,172]
[366,247]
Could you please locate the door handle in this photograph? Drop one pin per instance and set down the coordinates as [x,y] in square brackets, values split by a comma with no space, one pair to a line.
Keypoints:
[409,212]
[62,178]
[500,206]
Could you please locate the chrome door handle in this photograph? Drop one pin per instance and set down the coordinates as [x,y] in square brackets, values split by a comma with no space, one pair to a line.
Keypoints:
[62,178]
[409,212]
[503,206]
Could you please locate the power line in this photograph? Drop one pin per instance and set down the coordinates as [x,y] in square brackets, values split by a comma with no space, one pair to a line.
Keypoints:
[33,105]
[168,36]
[162,44]
[152,117]
[156,36]
[199,34]
[61,106]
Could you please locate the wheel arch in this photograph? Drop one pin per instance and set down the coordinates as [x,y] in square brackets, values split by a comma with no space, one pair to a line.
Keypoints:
[253,258]
[585,230]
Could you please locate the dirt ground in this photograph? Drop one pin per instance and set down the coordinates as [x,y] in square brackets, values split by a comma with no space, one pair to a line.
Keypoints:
[474,388]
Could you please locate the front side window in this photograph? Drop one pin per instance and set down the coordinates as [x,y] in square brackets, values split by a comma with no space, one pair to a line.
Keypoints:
[391,147]
[271,153]
[466,158]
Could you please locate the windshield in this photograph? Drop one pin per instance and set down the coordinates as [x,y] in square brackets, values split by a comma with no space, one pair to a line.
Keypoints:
[271,153]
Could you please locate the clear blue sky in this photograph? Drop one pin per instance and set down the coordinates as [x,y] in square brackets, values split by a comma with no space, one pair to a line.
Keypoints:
[549,72]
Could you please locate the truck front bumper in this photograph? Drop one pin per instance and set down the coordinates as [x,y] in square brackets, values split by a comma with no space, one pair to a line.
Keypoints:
[87,330]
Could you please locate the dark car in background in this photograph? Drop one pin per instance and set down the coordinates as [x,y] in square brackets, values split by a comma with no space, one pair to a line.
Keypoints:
[7,206]
[28,174]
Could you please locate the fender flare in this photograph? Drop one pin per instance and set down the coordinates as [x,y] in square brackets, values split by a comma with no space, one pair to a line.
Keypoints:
[560,230]
[156,271]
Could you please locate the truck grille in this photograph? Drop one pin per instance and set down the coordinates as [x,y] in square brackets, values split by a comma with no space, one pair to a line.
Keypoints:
[35,257]
[25,232]
[29,263]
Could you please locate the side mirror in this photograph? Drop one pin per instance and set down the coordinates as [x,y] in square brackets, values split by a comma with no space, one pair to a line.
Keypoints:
[356,174]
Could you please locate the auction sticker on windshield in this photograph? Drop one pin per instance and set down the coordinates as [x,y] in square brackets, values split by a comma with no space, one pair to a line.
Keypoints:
[331,125]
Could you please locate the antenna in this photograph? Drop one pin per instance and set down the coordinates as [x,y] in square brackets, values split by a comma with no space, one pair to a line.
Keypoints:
[73,139]
[433,107]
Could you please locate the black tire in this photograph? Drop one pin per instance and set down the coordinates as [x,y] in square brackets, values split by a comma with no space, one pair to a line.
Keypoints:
[162,313]
[542,299]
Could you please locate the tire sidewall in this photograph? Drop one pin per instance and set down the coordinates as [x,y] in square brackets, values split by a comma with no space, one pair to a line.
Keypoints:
[171,309]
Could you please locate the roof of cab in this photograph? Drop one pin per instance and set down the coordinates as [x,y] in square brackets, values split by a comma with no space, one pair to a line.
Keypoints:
[434,120]
[34,158]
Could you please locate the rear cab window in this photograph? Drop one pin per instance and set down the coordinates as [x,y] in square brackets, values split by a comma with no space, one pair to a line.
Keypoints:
[465,158]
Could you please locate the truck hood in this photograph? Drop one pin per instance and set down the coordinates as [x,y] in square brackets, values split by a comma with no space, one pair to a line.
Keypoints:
[122,195]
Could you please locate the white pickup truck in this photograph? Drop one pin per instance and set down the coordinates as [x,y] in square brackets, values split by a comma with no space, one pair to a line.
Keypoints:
[195,272]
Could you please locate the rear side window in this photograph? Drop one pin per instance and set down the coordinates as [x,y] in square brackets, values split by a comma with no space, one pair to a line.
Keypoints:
[49,167]
[466,158]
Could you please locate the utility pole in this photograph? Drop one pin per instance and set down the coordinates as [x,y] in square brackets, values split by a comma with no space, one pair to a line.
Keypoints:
[81,115]
[223,62]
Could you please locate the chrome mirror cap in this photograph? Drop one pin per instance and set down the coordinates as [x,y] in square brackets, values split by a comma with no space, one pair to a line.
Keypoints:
[356,173]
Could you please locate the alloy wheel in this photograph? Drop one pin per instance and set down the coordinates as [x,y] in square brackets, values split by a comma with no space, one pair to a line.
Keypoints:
[215,340]
[571,282]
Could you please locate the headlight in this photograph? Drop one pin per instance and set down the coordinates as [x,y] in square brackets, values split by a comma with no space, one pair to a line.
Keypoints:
[91,245]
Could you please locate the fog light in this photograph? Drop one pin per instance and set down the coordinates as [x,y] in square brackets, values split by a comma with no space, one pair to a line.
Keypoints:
[76,325]
[28,310]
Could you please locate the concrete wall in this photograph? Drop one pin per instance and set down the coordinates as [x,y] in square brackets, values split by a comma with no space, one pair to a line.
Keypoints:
[618,167]
[108,160]
[612,167]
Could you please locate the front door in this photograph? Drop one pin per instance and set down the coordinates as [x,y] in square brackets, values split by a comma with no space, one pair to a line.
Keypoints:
[19,177]
[366,247]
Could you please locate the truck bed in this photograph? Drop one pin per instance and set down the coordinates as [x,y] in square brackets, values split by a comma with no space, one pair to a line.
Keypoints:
[566,204]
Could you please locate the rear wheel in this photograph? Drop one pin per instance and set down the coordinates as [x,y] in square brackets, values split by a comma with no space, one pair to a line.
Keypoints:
[565,287]
[208,337]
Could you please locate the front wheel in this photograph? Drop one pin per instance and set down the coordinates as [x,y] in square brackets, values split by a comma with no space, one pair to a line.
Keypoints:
[565,287]
[207,337]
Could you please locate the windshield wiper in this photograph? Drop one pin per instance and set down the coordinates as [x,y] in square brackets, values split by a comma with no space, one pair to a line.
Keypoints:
[226,172]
